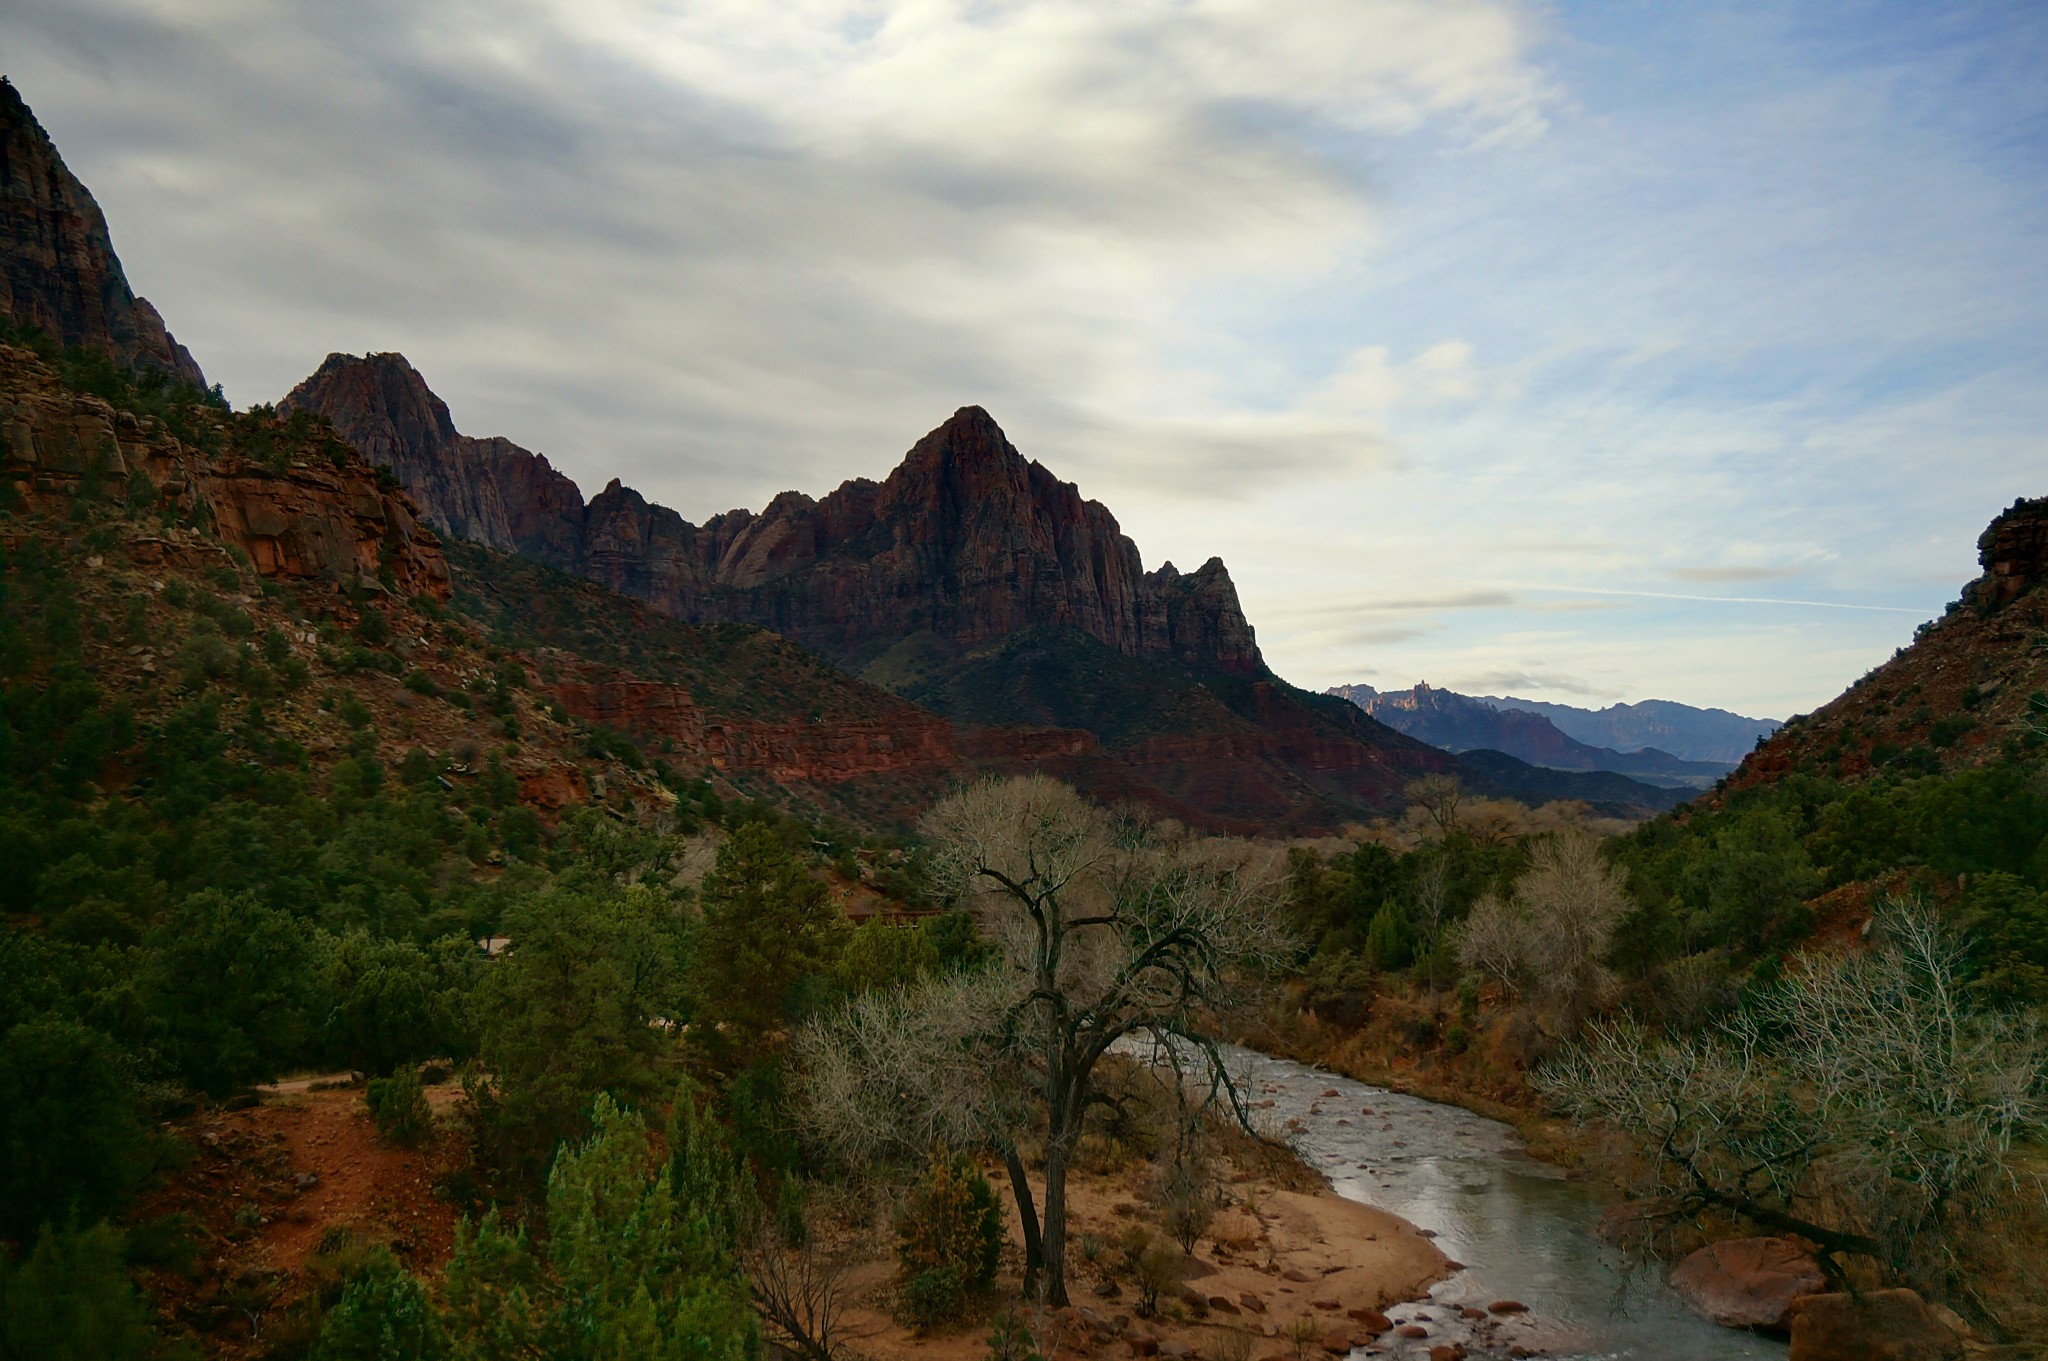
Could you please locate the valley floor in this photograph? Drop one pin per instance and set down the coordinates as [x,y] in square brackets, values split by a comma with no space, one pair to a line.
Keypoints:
[279,1194]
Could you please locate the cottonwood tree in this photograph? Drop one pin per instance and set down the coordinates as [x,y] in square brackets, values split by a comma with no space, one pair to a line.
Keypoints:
[1102,931]
[1861,1103]
[1438,796]
[1547,941]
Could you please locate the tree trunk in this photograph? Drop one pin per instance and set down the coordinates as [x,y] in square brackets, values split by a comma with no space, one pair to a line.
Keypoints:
[1027,1219]
[1054,1247]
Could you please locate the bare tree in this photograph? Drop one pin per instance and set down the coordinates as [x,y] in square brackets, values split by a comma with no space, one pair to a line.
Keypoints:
[1103,931]
[1431,902]
[1438,796]
[1860,1103]
[800,1294]
[1546,942]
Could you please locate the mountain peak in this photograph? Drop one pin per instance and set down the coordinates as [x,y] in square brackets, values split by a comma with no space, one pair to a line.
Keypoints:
[58,270]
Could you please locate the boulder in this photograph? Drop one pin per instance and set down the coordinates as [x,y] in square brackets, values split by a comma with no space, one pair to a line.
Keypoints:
[1748,1282]
[1879,1325]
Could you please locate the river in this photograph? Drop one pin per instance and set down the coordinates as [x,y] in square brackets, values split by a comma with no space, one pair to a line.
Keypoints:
[1522,1230]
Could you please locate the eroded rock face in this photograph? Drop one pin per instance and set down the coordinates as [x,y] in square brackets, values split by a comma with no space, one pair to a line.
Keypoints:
[966,539]
[2014,554]
[1748,1282]
[58,271]
[300,521]
[489,491]
[1879,1325]
[826,753]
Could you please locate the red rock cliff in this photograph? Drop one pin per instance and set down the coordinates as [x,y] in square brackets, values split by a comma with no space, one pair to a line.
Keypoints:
[295,518]
[58,271]
[966,539]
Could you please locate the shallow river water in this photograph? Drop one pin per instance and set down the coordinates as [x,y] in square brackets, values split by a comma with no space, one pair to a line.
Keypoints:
[1522,1230]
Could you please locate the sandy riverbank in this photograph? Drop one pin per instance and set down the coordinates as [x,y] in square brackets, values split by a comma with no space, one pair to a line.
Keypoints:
[1286,1268]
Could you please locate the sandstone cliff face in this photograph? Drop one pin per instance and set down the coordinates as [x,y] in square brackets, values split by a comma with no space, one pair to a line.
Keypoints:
[489,491]
[57,266]
[903,739]
[296,519]
[966,540]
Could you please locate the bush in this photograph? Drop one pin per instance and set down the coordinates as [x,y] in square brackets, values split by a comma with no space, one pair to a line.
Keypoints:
[949,1239]
[383,1315]
[1187,1201]
[933,1296]
[399,1106]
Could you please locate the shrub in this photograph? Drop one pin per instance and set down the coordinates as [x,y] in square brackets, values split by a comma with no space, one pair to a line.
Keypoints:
[1155,1270]
[1186,1202]
[383,1315]
[949,1239]
[399,1105]
[1010,1340]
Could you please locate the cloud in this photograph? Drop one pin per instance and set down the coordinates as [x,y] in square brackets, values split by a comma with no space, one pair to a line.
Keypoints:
[1398,305]
[1510,681]
[723,249]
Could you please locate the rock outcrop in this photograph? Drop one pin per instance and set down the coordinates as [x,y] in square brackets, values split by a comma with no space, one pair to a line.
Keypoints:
[1748,1282]
[1954,696]
[58,271]
[896,739]
[295,518]
[965,541]
[2013,551]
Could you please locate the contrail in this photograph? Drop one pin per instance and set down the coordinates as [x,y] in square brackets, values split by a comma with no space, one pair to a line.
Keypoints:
[1730,599]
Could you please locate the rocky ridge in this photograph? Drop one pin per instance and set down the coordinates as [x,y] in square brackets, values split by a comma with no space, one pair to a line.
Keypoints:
[58,271]
[965,541]
[971,582]
[1969,685]
[327,551]
[323,521]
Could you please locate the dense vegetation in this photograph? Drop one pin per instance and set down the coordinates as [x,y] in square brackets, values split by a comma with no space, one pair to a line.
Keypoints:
[198,900]
[1680,985]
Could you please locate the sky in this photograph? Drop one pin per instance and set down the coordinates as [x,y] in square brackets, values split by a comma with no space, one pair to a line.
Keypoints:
[1583,351]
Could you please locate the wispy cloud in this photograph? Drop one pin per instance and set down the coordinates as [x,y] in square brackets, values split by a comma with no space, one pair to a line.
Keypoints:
[1399,305]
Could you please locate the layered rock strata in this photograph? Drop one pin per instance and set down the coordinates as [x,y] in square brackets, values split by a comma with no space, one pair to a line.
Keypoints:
[294,519]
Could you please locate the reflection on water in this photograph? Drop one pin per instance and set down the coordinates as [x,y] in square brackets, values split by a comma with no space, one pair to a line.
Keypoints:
[1522,1231]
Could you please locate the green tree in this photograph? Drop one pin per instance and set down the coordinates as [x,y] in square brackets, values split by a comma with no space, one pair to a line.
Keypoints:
[383,1315]
[234,986]
[71,1301]
[575,1007]
[767,927]
[634,1270]
[71,1143]
[882,954]
[394,1002]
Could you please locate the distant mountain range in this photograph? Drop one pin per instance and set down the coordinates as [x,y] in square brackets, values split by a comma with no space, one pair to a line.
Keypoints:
[1687,733]
[1693,747]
